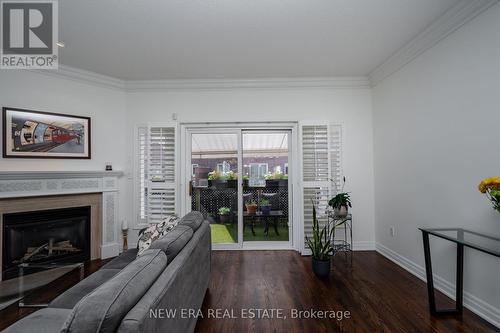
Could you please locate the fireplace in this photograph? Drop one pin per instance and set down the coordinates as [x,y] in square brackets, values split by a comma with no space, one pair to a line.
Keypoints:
[45,236]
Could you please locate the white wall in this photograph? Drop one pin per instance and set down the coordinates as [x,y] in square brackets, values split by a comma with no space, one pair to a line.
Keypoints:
[351,107]
[105,106]
[115,112]
[436,134]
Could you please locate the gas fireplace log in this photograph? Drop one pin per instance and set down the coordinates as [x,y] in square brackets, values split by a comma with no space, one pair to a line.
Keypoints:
[28,255]
[51,248]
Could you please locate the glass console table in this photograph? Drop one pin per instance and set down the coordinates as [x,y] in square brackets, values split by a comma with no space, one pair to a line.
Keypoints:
[45,267]
[463,238]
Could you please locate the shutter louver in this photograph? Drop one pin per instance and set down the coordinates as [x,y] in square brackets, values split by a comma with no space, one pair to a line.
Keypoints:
[321,170]
[161,172]
[335,139]
[142,151]
[157,171]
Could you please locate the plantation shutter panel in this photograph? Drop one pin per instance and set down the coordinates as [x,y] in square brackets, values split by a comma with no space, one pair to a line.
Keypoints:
[335,151]
[156,172]
[321,170]
[162,187]
[142,173]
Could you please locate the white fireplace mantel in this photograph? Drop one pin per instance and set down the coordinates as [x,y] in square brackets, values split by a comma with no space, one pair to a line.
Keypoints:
[18,184]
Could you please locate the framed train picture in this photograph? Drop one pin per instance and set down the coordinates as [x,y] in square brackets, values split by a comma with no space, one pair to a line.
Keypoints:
[35,134]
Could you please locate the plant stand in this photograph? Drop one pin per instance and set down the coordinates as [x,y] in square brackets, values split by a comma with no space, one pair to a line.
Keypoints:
[342,235]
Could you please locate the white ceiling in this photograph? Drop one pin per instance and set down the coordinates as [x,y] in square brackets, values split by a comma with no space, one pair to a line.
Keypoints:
[237,39]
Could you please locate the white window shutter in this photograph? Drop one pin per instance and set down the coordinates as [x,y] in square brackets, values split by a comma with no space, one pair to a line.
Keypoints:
[335,151]
[161,199]
[321,170]
[157,184]
[142,173]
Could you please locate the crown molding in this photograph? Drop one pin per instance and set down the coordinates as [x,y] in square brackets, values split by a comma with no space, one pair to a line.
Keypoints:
[83,76]
[453,19]
[223,84]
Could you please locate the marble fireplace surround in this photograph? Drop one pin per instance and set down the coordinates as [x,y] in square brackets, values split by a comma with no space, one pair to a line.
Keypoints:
[42,190]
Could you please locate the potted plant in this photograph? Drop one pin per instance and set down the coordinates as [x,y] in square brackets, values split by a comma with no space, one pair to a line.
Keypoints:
[276,179]
[321,247]
[265,206]
[232,179]
[340,204]
[245,180]
[251,206]
[491,187]
[224,214]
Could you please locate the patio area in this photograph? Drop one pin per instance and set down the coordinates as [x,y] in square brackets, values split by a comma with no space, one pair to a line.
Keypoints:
[228,233]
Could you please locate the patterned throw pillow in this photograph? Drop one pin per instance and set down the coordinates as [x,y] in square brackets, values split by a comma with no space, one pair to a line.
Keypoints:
[156,231]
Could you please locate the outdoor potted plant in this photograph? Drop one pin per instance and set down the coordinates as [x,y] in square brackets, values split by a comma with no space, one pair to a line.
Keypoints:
[265,206]
[340,204]
[232,179]
[321,247]
[251,206]
[224,214]
[276,179]
[214,178]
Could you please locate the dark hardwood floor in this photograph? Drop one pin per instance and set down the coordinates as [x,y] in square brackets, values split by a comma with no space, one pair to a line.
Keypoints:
[380,296]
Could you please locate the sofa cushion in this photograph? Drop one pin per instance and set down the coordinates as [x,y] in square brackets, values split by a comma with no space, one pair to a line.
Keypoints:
[192,220]
[103,309]
[174,241]
[70,297]
[42,321]
[155,231]
[122,260]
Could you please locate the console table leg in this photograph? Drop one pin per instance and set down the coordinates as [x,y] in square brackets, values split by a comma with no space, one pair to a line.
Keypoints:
[460,278]
[428,272]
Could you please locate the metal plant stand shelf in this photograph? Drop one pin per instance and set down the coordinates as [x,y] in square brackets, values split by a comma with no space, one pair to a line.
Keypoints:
[342,235]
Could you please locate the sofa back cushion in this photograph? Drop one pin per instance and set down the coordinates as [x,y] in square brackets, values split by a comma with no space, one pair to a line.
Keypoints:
[173,242]
[103,309]
[192,220]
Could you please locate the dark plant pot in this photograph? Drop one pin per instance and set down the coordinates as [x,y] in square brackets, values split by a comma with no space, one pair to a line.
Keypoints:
[277,183]
[251,209]
[266,210]
[321,267]
[233,183]
[224,218]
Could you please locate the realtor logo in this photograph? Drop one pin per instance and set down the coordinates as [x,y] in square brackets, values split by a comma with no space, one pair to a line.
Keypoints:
[29,34]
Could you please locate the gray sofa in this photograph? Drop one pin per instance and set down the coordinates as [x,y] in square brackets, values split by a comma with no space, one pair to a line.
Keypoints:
[133,294]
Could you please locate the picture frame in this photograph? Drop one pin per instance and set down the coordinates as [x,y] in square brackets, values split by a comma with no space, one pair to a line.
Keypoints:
[37,134]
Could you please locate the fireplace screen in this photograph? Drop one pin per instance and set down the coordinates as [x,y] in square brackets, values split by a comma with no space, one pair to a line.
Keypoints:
[49,236]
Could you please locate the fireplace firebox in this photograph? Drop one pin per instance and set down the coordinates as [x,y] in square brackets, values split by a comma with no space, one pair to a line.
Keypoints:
[48,236]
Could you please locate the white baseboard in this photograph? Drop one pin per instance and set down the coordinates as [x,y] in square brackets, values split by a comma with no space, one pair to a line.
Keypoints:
[110,250]
[471,302]
[363,246]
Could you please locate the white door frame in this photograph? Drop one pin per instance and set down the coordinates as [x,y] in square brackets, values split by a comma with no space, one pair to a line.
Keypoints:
[186,130]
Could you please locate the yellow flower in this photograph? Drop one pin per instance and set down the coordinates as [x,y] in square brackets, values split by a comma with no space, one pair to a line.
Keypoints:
[490,182]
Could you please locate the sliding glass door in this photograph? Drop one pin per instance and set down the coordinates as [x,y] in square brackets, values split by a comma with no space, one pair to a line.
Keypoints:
[214,182]
[265,186]
[239,180]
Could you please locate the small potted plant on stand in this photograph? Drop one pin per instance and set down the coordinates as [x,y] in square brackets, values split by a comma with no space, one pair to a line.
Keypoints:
[265,206]
[224,214]
[340,204]
[251,206]
[321,247]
